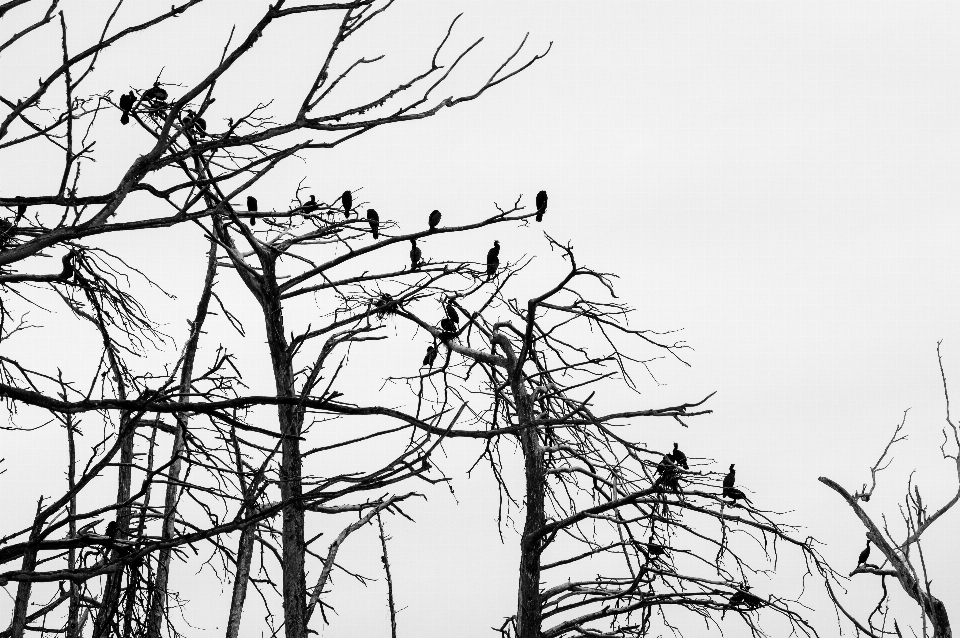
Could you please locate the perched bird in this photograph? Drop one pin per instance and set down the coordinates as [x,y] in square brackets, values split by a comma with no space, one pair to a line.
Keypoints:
[252,207]
[112,529]
[864,555]
[127,100]
[155,94]
[730,478]
[431,356]
[668,478]
[6,228]
[68,269]
[311,205]
[541,205]
[384,305]
[655,549]
[447,325]
[434,220]
[493,259]
[374,220]
[745,599]
[21,210]
[679,457]
[452,313]
[735,494]
[347,199]
[193,123]
[416,255]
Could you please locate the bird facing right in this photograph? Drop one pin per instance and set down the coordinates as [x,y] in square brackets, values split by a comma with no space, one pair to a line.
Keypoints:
[541,205]
[374,220]
[493,259]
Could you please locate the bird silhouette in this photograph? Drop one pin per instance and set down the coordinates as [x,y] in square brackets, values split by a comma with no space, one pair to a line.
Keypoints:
[374,220]
[447,325]
[194,124]
[731,478]
[655,549]
[252,207]
[127,100]
[112,529]
[493,259]
[311,205]
[668,478]
[347,200]
[452,313]
[21,210]
[416,255]
[434,220]
[6,232]
[864,555]
[679,457]
[384,305]
[155,94]
[541,205]
[735,494]
[742,598]
[431,356]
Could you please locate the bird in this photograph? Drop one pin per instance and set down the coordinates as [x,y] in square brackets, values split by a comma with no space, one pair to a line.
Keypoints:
[192,122]
[447,325]
[655,549]
[127,100]
[431,356]
[6,228]
[68,269]
[252,207]
[434,220]
[384,305]
[347,199]
[668,474]
[112,529]
[374,220]
[735,494]
[311,205]
[730,478]
[21,210]
[743,598]
[679,457]
[493,259]
[452,313]
[155,94]
[415,255]
[864,555]
[541,205]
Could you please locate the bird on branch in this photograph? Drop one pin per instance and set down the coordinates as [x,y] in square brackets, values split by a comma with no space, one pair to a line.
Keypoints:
[194,123]
[493,259]
[743,598]
[416,255]
[431,355]
[679,457]
[541,205]
[310,206]
[347,200]
[654,548]
[112,529]
[127,100]
[155,94]
[452,313]
[864,555]
[385,304]
[252,207]
[731,478]
[374,220]
[434,220]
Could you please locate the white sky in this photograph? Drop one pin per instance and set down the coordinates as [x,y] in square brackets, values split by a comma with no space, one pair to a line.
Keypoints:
[779,180]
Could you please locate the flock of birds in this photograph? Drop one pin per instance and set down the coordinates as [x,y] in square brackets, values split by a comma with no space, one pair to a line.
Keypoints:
[669,477]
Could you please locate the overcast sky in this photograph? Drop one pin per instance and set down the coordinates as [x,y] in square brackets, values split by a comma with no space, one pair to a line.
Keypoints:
[778,180]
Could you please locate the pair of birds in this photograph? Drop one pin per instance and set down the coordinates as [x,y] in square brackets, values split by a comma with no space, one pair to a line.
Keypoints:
[448,330]
[155,95]
[493,257]
[729,491]
[669,478]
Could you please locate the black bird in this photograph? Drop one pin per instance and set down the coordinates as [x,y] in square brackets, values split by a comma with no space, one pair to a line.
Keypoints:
[730,478]
[746,599]
[68,269]
[541,205]
[194,123]
[416,255]
[655,549]
[21,210]
[311,205]
[493,259]
[864,555]
[374,220]
[127,100]
[347,199]
[452,313]
[447,325]
[431,356]
[679,457]
[6,228]
[384,305]
[252,207]
[112,529]
[434,220]
[155,94]
[668,474]
[735,494]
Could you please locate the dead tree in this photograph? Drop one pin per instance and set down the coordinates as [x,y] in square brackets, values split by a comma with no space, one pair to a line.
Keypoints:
[901,552]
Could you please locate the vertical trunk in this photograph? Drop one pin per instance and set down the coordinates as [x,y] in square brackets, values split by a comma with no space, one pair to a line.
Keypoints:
[244,556]
[528,603]
[18,626]
[159,586]
[73,612]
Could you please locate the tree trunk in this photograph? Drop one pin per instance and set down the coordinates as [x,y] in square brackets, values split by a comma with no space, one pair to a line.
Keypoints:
[244,556]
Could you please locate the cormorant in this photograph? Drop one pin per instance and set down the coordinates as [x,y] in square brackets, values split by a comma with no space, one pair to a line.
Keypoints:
[415,255]
[112,529]
[21,210]
[194,123]
[668,474]
[864,555]
[679,457]
[68,268]
[493,259]
[434,220]
[347,199]
[541,205]
[156,94]
[743,598]
[447,325]
[127,100]
[311,205]
[374,220]
[452,313]
[431,356]
[730,478]
[735,494]
[252,207]
[655,549]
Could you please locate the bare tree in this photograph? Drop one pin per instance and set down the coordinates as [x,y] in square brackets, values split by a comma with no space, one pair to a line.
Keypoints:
[901,551]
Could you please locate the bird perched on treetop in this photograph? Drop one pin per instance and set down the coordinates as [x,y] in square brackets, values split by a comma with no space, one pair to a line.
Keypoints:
[374,220]
[434,220]
[252,207]
[155,94]
[431,355]
[127,100]
[679,457]
[416,255]
[493,259]
[864,555]
[541,205]
[311,205]
[347,200]
[730,478]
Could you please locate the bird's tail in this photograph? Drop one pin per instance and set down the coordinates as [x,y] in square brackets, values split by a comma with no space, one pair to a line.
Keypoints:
[125,118]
